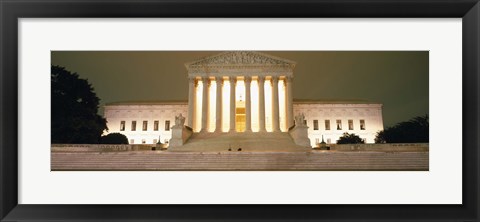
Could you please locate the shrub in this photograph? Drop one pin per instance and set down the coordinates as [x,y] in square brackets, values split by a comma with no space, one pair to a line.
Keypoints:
[114,138]
[350,139]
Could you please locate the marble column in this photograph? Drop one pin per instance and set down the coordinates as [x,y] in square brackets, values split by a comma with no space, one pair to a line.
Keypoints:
[275,115]
[261,103]
[288,82]
[218,106]
[191,101]
[205,102]
[233,84]
[248,104]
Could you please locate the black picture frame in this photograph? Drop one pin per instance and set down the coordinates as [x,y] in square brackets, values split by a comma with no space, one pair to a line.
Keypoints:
[11,11]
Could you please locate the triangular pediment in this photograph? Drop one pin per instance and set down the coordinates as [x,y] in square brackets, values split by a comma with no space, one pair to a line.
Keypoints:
[241,58]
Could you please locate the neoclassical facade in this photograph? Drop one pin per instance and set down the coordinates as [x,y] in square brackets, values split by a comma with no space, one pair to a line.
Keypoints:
[240,92]
[243,92]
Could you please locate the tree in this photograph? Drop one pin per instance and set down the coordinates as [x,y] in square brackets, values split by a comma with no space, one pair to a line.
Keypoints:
[415,130]
[347,138]
[74,109]
[114,138]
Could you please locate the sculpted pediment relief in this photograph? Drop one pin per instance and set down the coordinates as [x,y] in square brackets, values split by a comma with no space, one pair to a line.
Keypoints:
[246,58]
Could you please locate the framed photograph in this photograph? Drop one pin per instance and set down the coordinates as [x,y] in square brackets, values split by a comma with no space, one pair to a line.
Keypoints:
[122,110]
[240,111]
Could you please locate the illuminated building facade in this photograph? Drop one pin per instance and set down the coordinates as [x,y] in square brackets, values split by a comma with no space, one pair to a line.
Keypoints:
[243,92]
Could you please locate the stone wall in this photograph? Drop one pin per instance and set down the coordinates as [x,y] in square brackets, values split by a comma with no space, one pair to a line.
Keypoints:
[387,147]
[104,147]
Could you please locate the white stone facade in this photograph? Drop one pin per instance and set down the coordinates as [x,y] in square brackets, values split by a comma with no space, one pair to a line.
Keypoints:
[163,112]
[350,115]
[243,91]
[362,119]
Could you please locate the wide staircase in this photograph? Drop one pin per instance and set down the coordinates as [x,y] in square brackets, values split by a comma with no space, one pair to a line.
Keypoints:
[239,160]
[246,141]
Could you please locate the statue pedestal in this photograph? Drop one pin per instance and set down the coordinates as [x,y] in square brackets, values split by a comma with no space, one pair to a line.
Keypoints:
[299,135]
[180,135]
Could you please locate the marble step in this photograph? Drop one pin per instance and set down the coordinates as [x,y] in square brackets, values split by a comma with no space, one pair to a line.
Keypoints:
[247,161]
[248,141]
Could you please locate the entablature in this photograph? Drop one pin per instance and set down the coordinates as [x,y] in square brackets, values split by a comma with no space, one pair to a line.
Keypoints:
[241,63]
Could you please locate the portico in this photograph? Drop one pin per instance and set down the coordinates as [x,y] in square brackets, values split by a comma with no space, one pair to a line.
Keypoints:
[240,92]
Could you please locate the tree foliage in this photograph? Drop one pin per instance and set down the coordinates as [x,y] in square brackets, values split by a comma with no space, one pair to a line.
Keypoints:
[415,130]
[114,138]
[74,109]
[347,138]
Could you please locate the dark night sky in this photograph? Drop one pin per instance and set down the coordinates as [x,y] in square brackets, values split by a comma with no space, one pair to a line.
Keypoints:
[399,80]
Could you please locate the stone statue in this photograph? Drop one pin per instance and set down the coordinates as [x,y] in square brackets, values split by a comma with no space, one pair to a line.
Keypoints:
[300,119]
[299,132]
[179,120]
[180,132]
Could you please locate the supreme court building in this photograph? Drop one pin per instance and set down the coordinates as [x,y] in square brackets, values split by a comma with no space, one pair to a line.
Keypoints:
[243,92]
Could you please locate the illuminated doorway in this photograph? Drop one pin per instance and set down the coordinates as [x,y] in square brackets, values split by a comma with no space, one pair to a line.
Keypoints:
[240,117]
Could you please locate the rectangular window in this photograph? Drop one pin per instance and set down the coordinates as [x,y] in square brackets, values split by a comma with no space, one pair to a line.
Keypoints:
[134,125]
[154,141]
[317,140]
[350,124]
[155,125]
[167,125]
[122,125]
[145,124]
[339,124]
[315,124]
[143,141]
[362,124]
[327,124]
[329,141]
[131,141]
